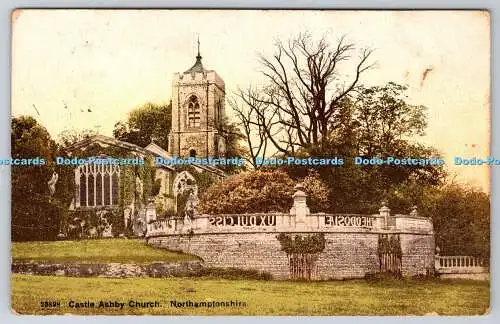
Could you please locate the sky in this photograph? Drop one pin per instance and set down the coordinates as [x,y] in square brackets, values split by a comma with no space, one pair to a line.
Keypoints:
[112,61]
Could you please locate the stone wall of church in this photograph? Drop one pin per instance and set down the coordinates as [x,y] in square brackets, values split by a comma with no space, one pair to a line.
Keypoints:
[210,90]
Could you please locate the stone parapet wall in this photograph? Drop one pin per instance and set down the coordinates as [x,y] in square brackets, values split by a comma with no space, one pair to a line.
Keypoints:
[352,242]
[346,254]
[418,254]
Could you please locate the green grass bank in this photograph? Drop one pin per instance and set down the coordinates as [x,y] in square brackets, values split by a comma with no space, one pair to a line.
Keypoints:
[353,297]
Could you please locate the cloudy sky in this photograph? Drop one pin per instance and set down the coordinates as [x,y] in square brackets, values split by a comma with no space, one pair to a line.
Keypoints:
[114,60]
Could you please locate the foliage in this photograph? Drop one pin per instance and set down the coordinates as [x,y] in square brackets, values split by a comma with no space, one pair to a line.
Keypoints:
[389,244]
[129,195]
[309,244]
[35,219]
[117,222]
[260,191]
[460,214]
[233,149]
[155,190]
[461,217]
[307,109]
[35,214]
[145,124]
[87,223]
[69,137]
[382,120]
[366,130]
[147,174]
[127,186]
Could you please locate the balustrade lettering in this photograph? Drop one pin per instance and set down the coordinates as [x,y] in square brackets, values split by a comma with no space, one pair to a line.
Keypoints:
[243,220]
[349,220]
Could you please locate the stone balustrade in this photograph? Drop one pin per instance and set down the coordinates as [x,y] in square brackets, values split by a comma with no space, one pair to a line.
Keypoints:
[299,219]
[462,267]
[455,262]
[251,241]
[281,222]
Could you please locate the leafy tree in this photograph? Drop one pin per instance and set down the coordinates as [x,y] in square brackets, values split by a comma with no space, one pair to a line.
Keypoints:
[36,215]
[71,136]
[461,217]
[232,137]
[460,214]
[150,122]
[305,109]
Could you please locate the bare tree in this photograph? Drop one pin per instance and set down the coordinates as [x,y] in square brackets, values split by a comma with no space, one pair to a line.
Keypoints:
[305,90]
[253,126]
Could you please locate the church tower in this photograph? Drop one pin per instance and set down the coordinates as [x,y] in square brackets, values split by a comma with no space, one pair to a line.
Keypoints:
[198,100]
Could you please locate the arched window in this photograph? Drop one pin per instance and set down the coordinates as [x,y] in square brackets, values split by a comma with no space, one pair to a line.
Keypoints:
[193,112]
[192,153]
[98,185]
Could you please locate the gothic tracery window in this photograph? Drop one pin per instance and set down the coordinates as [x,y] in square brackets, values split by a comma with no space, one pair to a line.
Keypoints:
[193,113]
[98,185]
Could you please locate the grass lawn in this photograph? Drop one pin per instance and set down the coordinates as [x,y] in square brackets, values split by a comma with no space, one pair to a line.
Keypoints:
[93,251]
[354,297]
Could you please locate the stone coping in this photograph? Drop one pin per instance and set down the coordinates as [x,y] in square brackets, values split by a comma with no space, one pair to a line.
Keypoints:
[291,223]
[314,215]
[291,231]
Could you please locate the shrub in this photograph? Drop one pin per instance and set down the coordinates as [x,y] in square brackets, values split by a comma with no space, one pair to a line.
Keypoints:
[261,191]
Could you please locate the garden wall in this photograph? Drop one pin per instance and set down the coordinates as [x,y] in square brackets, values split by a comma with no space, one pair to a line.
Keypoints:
[352,243]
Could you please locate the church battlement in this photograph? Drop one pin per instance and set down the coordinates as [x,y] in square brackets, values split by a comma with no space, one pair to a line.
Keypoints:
[199,77]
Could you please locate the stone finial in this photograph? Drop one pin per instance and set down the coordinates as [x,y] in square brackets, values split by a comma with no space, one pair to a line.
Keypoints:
[437,250]
[414,211]
[299,208]
[385,213]
[299,187]
[384,207]
[299,194]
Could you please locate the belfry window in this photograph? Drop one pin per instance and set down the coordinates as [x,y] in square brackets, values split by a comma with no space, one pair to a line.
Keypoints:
[98,185]
[193,113]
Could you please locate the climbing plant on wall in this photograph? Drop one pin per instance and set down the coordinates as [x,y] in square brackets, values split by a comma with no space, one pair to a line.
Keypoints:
[302,252]
[389,253]
[127,185]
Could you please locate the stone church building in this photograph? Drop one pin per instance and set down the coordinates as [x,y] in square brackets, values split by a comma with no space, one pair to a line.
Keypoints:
[198,103]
